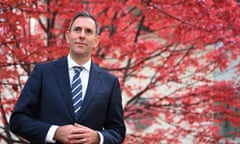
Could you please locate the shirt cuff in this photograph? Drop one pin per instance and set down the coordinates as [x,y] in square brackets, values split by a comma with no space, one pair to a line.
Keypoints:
[50,134]
[101,137]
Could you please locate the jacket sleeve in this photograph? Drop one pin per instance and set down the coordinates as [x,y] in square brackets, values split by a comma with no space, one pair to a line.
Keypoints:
[114,129]
[23,120]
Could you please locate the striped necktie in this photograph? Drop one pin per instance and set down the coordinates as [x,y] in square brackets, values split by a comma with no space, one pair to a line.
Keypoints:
[77,90]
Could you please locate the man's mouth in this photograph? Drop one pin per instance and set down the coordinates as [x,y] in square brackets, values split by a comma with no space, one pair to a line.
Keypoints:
[80,43]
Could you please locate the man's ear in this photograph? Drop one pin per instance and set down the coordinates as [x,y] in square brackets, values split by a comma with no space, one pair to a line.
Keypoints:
[97,40]
[67,36]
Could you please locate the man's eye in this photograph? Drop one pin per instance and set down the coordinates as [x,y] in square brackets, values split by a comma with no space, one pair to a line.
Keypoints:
[89,31]
[77,29]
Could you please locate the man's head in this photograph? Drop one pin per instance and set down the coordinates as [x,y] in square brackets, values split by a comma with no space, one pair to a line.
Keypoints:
[84,14]
[82,37]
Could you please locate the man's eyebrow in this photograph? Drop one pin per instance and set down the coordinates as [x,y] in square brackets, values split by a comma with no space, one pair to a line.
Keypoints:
[82,27]
[76,26]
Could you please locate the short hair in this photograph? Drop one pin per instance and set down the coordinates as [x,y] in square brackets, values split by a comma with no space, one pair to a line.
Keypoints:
[84,14]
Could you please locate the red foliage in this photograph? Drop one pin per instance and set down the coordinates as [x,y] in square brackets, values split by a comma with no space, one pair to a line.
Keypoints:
[169,56]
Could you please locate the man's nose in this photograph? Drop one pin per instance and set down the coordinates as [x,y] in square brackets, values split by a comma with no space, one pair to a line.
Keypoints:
[82,33]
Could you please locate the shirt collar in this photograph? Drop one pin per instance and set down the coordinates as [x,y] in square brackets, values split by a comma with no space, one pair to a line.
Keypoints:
[72,63]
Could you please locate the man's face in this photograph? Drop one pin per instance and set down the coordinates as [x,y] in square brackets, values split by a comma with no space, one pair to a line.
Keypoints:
[82,37]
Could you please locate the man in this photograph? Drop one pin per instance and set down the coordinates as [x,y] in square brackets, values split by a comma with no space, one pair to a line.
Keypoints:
[45,111]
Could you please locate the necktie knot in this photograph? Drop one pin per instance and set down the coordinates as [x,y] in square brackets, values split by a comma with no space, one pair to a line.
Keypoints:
[77,69]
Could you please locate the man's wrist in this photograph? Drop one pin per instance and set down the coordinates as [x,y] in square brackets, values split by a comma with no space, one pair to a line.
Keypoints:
[51,134]
[100,137]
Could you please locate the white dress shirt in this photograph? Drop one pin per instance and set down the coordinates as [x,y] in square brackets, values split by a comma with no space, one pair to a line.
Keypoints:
[84,75]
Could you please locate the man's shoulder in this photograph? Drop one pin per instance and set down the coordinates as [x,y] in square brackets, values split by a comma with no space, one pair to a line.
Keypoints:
[52,62]
[104,71]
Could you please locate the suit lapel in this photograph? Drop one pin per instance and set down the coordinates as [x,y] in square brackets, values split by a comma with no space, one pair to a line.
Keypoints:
[92,88]
[62,76]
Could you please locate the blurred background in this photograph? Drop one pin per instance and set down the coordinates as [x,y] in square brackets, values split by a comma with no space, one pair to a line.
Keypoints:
[178,62]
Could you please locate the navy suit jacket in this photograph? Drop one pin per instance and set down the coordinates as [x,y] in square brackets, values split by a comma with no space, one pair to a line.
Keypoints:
[46,100]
